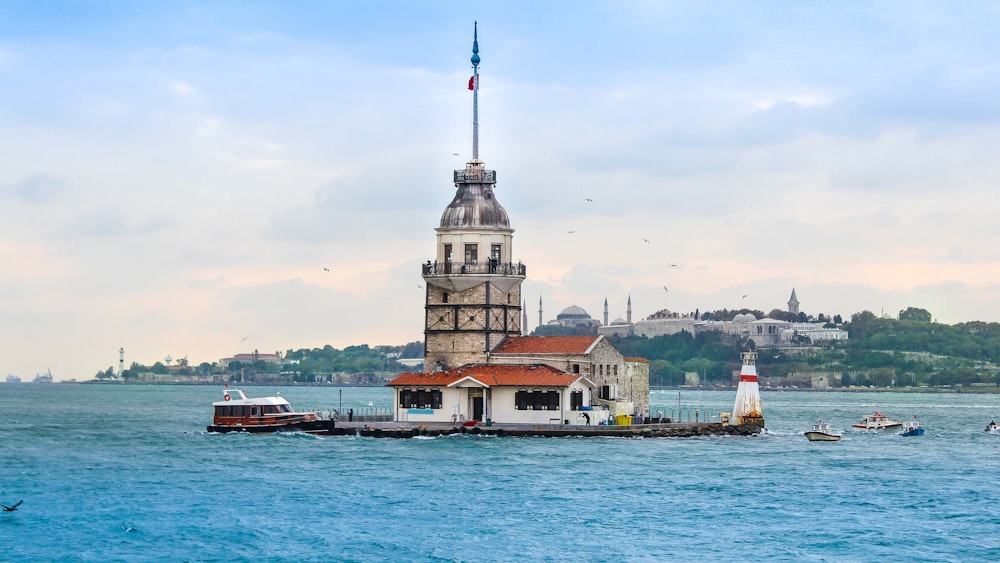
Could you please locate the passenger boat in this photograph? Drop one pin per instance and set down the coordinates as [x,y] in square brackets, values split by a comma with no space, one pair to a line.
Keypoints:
[238,413]
[912,428]
[821,432]
[877,421]
[993,428]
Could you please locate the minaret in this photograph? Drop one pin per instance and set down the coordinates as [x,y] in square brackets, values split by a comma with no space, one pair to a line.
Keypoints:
[748,409]
[473,286]
[793,303]
[629,314]
[524,318]
[605,311]
[540,310]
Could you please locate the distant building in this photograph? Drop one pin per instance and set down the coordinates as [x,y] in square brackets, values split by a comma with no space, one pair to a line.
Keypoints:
[793,303]
[252,358]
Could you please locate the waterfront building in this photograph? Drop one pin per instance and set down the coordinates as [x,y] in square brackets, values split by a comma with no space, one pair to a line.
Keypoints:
[477,364]
[473,286]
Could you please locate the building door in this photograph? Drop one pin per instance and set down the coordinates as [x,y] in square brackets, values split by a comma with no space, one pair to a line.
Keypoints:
[477,408]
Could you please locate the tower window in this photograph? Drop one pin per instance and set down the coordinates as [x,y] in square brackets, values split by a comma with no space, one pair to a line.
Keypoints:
[495,252]
[472,254]
[444,297]
[447,253]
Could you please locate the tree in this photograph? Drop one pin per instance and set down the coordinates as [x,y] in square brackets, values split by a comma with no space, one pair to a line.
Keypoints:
[915,314]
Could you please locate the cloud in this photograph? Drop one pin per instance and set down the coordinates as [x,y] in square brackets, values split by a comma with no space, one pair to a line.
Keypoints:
[36,188]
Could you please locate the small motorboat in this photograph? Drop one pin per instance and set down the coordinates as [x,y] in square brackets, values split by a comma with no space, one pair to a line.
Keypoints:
[821,432]
[993,428]
[912,428]
[876,421]
[238,413]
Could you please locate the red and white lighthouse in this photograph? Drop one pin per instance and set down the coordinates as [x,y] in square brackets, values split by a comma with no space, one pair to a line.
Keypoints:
[748,409]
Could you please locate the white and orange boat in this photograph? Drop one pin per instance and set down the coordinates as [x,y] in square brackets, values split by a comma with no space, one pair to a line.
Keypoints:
[238,413]
[876,421]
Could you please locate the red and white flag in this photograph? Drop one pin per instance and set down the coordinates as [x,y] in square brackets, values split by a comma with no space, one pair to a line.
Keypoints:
[472,82]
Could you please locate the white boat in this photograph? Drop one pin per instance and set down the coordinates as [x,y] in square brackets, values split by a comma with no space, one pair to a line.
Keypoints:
[993,428]
[877,421]
[821,432]
[238,413]
[11,378]
[912,428]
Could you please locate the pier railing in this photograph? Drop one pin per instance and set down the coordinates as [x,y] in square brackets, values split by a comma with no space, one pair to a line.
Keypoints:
[489,267]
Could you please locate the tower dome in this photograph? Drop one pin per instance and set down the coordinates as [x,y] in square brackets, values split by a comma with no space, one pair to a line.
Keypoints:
[474,204]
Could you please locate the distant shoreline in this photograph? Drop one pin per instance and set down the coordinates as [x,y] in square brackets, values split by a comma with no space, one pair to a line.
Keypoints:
[992,390]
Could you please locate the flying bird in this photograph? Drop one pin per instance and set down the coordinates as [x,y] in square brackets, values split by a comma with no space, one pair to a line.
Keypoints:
[326,269]
[244,339]
[744,296]
[420,286]
[454,154]
[570,232]
[645,240]
[590,200]
[673,265]
[665,289]
[12,507]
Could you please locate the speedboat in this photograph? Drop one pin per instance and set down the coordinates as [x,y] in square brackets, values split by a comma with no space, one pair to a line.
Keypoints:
[238,413]
[912,428]
[993,428]
[821,432]
[877,421]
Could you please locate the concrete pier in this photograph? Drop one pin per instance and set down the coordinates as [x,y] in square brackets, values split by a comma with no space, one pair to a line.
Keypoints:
[668,430]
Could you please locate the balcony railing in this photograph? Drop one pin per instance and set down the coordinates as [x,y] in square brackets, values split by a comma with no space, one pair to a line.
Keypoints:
[490,267]
[475,175]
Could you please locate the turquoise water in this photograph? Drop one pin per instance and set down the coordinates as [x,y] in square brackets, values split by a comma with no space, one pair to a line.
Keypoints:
[128,473]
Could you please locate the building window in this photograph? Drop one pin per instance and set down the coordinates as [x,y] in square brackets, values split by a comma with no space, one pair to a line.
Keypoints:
[495,252]
[420,398]
[575,400]
[472,254]
[576,368]
[444,297]
[447,253]
[536,400]
[616,369]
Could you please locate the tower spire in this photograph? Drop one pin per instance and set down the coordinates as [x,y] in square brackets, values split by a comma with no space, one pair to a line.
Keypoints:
[475,91]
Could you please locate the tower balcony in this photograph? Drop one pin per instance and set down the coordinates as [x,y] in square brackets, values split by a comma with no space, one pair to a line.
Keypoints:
[488,268]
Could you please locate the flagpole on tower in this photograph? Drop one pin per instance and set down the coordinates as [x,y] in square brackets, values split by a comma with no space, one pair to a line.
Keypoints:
[475,91]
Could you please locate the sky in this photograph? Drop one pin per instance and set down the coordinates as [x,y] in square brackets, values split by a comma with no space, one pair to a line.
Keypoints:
[193,179]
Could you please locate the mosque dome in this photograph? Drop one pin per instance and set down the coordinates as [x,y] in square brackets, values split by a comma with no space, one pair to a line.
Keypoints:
[573,312]
[744,318]
[619,322]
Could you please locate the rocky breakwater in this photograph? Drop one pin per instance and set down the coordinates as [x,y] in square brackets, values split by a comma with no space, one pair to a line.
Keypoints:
[675,430]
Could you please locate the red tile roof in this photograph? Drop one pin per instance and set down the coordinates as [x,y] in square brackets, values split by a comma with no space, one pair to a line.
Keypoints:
[534,375]
[546,345]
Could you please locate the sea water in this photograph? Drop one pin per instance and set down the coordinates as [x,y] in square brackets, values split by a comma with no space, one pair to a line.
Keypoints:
[128,473]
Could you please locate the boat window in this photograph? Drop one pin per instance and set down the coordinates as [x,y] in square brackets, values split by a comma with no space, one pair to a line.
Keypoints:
[253,411]
[220,411]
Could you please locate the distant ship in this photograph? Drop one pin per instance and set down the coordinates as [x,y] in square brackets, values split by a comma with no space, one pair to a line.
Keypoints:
[44,377]
[13,379]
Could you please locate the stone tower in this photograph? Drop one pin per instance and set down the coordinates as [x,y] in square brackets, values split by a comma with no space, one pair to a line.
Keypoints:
[473,286]
[793,303]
